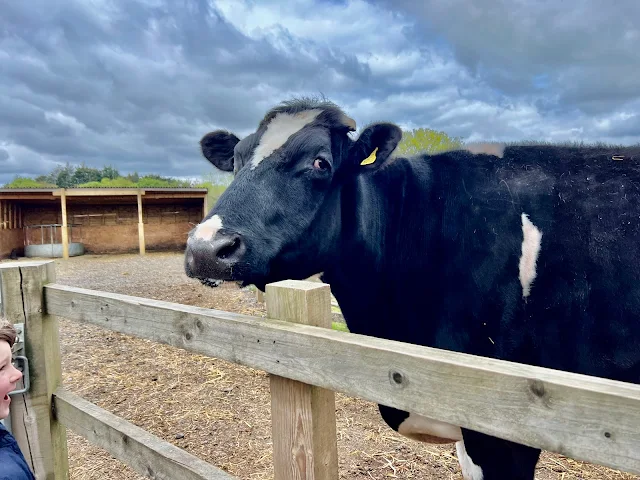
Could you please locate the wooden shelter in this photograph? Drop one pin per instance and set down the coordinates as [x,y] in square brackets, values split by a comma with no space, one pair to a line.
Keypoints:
[104,220]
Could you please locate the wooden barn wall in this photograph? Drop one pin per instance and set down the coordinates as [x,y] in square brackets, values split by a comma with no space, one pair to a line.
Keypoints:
[10,239]
[11,235]
[114,228]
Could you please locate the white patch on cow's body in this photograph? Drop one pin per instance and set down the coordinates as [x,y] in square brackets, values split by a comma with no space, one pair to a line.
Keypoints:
[470,471]
[280,128]
[207,230]
[531,241]
[428,430]
[496,149]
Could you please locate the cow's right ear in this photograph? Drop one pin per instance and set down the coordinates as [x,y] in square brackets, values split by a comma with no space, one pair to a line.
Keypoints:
[217,147]
[374,146]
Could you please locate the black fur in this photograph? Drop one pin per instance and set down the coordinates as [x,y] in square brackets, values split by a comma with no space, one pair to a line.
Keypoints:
[217,147]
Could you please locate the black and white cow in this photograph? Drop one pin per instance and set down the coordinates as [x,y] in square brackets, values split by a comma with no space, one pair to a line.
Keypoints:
[522,253]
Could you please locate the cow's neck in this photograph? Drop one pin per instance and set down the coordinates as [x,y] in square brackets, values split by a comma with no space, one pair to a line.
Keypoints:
[380,256]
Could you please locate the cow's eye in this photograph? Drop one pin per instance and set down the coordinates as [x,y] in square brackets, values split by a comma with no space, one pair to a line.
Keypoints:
[321,164]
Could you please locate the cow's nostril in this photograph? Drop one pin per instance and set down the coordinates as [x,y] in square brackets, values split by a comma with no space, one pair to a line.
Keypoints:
[228,247]
[214,260]
[227,250]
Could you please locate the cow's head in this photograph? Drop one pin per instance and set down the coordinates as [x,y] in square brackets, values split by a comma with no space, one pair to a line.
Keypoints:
[283,207]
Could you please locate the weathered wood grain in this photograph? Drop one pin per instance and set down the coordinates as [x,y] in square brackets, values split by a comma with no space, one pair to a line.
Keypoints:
[141,240]
[145,453]
[94,192]
[583,417]
[303,416]
[41,437]
[64,230]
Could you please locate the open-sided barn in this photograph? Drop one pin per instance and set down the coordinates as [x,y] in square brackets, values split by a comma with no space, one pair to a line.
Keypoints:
[100,220]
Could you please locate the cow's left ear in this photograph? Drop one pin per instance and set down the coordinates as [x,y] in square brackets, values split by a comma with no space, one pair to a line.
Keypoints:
[374,146]
[217,147]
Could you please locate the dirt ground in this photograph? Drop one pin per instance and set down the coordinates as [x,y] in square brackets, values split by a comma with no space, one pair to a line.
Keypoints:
[217,410]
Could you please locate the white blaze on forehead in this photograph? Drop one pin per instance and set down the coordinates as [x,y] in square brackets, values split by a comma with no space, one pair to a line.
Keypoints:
[531,240]
[496,149]
[280,128]
[470,471]
[207,230]
[428,430]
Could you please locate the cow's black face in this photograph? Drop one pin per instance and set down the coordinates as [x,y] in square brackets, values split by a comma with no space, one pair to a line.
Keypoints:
[275,219]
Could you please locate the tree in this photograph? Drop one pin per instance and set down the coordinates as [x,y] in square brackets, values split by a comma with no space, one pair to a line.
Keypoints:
[49,179]
[84,174]
[64,178]
[110,172]
[70,176]
[425,140]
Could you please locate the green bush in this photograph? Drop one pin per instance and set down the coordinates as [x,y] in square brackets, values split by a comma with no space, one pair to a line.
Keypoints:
[24,182]
[424,140]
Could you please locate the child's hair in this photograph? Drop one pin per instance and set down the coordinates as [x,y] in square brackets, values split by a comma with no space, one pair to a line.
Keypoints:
[7,332]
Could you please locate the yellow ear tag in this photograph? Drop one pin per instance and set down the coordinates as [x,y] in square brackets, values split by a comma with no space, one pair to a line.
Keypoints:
[370,159]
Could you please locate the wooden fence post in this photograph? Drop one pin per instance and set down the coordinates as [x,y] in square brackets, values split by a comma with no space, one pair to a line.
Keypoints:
[303,416]
[42,439]
[141,240]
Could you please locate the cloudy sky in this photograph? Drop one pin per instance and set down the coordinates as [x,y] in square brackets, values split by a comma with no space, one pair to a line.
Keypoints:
[136,83]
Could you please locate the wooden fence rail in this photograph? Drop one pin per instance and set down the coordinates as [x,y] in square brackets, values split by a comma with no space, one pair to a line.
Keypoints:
[143,452]
[586,418]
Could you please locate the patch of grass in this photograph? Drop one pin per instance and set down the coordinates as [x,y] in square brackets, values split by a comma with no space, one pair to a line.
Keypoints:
[341,327]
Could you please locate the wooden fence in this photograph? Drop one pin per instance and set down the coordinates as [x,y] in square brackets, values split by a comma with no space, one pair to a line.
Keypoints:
[586,418]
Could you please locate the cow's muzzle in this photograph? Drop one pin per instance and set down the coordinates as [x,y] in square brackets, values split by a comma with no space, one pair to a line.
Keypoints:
[214,260]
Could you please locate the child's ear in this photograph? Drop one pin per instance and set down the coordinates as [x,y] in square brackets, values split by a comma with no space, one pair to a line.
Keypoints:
[217,147]
[374,146]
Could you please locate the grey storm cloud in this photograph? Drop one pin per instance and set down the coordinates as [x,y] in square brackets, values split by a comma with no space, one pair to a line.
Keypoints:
[585,51]
[136,83]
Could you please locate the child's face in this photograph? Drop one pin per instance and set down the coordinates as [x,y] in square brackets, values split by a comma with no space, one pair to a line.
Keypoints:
[9,376]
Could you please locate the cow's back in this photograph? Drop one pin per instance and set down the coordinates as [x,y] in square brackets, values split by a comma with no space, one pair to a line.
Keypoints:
[449,272]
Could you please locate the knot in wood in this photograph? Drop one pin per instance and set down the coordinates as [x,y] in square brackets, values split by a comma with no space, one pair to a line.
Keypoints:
[397,379]
[537,388]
